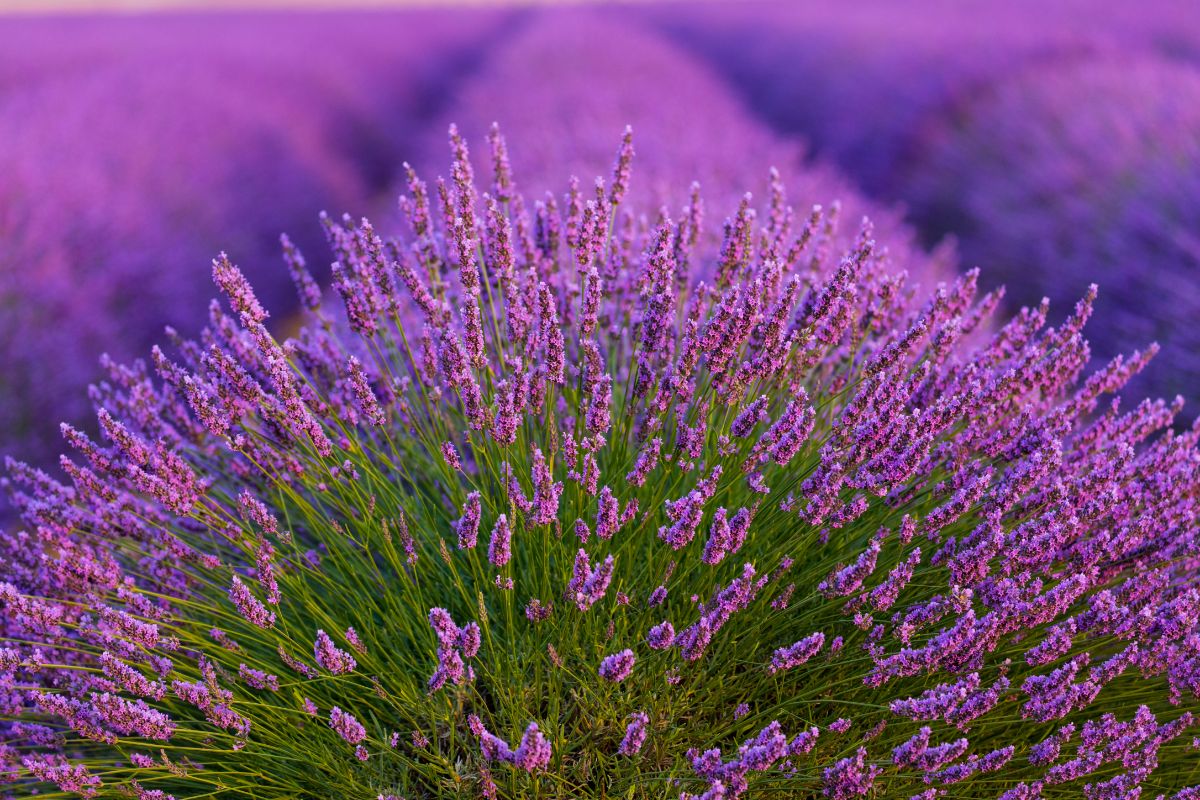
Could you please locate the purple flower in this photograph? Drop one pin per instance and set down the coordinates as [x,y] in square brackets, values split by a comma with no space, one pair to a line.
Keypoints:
[467,526]
[850,777]
[588,586]
[346,726]
[536,611]
[330,657]
[257,679]
[454,645]
[450,454]
[661,636]
[533,753]
[617,667]
[500,546]
[794,655]
[635,734]
[249,606]
[607,517]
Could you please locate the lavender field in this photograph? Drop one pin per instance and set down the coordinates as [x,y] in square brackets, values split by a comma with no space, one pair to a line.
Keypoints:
[672,400]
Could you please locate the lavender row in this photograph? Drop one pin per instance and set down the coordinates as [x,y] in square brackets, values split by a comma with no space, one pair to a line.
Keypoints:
[134,148]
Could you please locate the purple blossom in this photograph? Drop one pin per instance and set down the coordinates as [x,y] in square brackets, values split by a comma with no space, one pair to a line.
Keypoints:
[850,777]
[694,640]
[257,679]
[454,645]
[346,726]
[330,657]
[635,734]
[533,753]
[467,526]
[794,655]
[661,636]
[450,454]
[617,667]
[647,460]
[500,546]
[545,491]
[607,518]
[588,585]
[249,606]
[536,611]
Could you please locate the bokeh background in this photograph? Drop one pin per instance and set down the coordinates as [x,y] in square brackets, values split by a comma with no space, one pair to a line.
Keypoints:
[1053,143]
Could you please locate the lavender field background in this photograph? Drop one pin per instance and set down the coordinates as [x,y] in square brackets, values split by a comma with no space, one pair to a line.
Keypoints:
[600,399]
[1055,144]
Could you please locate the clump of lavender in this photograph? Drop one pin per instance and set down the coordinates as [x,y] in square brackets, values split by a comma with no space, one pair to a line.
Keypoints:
[861,546]
[1092,167]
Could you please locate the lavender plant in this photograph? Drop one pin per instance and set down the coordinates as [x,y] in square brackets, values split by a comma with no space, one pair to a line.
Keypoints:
[558,513]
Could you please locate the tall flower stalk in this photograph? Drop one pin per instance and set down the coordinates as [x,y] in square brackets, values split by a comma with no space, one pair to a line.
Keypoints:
[539,516]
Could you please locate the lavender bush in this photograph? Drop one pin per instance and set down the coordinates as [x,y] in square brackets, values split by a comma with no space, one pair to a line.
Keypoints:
[1094,170]
[134,148]
[597,528]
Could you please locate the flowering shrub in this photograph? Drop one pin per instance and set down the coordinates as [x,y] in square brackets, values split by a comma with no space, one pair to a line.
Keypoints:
[1093,168]
[547,515]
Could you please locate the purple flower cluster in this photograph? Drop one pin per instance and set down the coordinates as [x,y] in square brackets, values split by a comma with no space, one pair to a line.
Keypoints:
[617,667]
[588,585]
[531,755]
[454,645]
[796,654]
[330,657]
[635,734]
[730,778]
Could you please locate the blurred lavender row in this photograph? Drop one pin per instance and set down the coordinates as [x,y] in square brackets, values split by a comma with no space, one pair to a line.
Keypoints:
[133,149]
[1090,172]
[1056,141]
[564,86]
